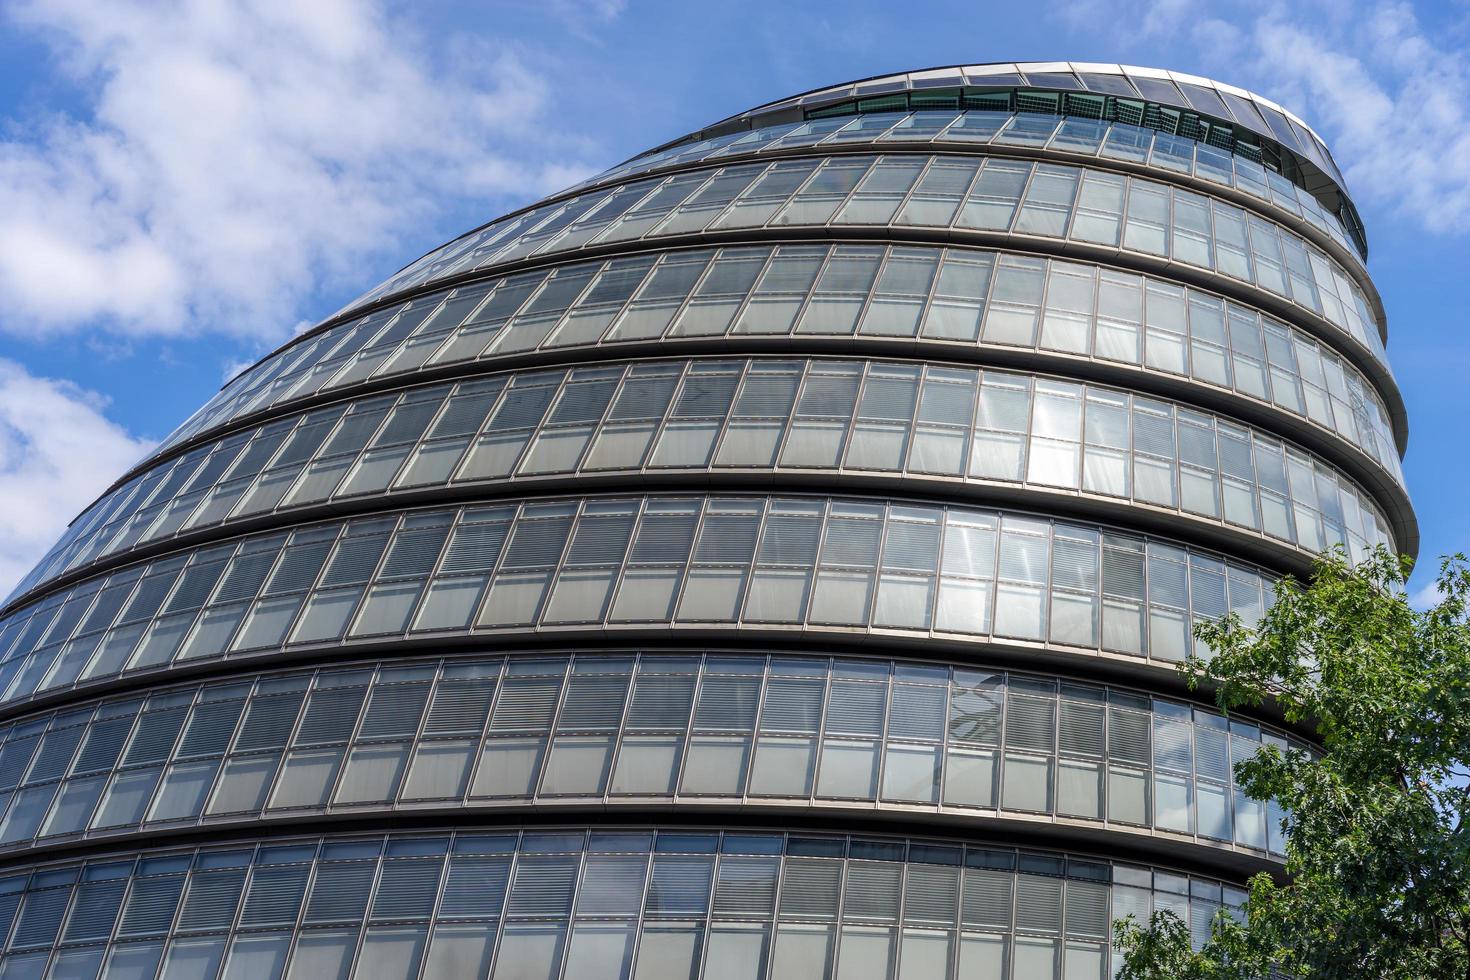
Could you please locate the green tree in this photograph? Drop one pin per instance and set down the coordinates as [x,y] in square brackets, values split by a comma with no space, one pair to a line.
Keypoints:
[1377,877]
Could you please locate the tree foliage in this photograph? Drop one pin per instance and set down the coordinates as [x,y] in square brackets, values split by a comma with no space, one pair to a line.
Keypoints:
[1377,881]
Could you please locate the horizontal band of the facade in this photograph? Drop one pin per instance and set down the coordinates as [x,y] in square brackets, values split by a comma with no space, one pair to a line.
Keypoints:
[809,568]
[1280,513]
[659,730]
[1337,448]
[1065,661]
[927,342]
[1142,263]
[967,197]
[702,899]
[1348,258]
[1119,842]
[934,422]
[1318,326]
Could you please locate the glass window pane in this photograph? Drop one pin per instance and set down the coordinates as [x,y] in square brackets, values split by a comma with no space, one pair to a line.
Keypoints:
[529,951]
[439,770]
[801,952]
[191,958]
[460,951]
[736,952]
[323,955]
[601,950]
[865,953]
[911,773]
[782,767]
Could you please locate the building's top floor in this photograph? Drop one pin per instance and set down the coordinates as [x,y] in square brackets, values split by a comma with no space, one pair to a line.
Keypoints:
[1214,112]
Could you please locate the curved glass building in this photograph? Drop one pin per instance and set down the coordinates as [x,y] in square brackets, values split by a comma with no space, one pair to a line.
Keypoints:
[765,560]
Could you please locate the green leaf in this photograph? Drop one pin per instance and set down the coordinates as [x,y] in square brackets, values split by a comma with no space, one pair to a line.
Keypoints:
[1377,876]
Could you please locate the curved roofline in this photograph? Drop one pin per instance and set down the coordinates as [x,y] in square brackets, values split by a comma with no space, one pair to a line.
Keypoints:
[1316,157]
[846,89]
[1042,66]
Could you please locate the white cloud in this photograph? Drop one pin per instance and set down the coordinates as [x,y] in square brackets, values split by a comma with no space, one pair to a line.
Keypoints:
[57,453]
[583,12]
[1426,596]
[1390,97]
[232,368]
[240,153]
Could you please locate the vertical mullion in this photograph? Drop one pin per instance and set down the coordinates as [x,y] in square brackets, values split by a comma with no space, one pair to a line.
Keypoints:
[805,302]
[638,921]
[1021,198]
[497,400]
[571,920]
[928,165]
[1003,738]
[744,302]
[788,427]
[374,576]
[298,928]
[352,741]
[600,424]
[449,335]
[766,505]
[883,260]
[307,591]
[840,909]
[391,404]
[422,439]
[224,754]
[357,355]
[110,941]
[1123,222]
[367,915]
[684,300]
[851,422]
[702,504]
[620,574]
[245,603]
[431,922]
[456,519]
[579,508]
[819,737]
[689,729]
[1107,746]
[289,741]
[164,765]
[763,686]
[661,423]
[942,256]
[518,509]
[873,162]
[723,424]
[620,732]
[552,727]
[715,216]
[479,758]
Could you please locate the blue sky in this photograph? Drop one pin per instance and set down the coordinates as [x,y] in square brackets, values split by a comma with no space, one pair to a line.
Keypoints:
[185,183]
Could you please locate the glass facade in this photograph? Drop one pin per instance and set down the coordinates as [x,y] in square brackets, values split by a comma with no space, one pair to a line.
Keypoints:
[768,559]
[788,729]
[826,565]
[964,196]
[904,419]
[1175,103]
[624,902]
[1078,135]
[940,297]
